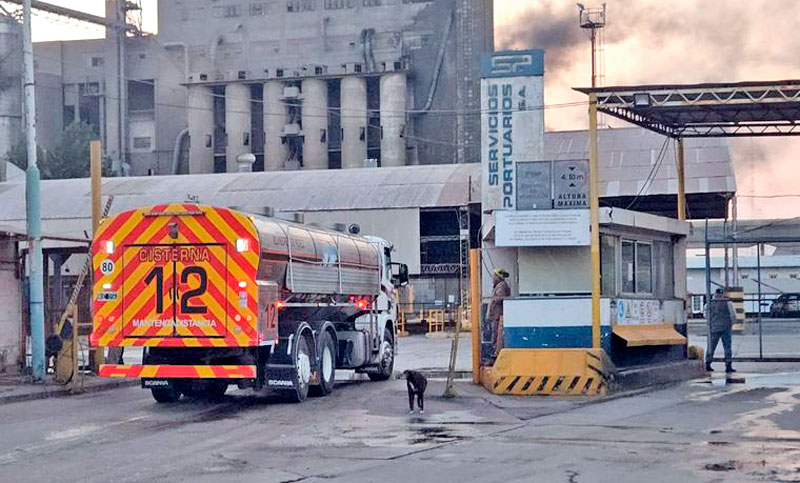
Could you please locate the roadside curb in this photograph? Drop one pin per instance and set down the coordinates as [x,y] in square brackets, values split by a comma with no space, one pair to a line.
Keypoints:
[47,392]
[435,373]
[633,379]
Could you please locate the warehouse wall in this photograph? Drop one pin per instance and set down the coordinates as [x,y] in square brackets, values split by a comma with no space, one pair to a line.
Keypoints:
[10,308]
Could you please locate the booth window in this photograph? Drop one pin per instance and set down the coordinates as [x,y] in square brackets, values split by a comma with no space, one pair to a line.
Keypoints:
[637,267]
[608,266]
[663,275]
[644,268]
[628,273]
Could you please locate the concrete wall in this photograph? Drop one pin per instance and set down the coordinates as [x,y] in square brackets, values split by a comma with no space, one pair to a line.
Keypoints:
[10,87]
[10,308]
[555,270]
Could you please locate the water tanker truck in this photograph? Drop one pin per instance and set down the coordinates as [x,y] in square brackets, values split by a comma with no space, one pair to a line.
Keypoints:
[217,297]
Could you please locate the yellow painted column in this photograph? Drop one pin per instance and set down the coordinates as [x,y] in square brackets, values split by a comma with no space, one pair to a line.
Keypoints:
[475,311]
[594,210]
[96,169]
[681,182]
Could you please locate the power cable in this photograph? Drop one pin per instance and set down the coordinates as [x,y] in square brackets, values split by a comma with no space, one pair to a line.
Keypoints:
[651,176]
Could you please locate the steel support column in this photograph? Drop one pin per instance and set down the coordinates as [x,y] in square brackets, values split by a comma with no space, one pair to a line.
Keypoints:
[708,294]
[33,208]
[95,163]
[475,311]
[681,182]
[594,209]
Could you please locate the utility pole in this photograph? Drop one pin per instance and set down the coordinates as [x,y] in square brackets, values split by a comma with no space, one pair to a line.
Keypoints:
[33,206]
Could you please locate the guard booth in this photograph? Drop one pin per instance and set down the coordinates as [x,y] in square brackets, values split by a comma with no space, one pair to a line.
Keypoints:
[591,288]
[547,323]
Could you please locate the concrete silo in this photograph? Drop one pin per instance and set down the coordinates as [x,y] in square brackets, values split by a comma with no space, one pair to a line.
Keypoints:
[274,121]
[10,87]
[200,113]
[354,121]
[315,124]
[237,123]
[393,119]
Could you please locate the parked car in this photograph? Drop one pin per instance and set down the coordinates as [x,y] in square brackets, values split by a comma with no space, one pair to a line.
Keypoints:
[786,305]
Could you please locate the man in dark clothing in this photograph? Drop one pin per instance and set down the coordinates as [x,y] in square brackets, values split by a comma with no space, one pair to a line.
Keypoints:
[721,316]
[494,316]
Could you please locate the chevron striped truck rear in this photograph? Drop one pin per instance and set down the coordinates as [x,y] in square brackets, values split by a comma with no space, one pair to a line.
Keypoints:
[218,297]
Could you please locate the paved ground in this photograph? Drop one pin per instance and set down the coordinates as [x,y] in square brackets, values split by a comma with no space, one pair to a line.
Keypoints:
[702,431]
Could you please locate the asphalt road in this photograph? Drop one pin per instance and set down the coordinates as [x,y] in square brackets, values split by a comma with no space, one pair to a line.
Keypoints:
[703,431]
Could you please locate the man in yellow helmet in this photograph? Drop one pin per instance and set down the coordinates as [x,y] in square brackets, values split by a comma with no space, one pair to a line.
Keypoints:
[494,315]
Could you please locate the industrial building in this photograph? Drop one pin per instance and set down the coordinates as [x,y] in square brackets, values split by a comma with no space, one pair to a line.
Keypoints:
[421,209]
[301,84]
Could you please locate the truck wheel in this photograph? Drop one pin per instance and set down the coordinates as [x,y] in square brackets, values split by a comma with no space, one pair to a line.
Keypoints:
[327,367]
[164,395]
[302,371]
[386,364]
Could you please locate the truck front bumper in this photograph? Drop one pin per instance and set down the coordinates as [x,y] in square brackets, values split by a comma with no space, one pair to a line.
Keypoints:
[137,371]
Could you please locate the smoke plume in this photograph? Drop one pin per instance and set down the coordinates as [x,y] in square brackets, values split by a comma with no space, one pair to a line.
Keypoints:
[677,41]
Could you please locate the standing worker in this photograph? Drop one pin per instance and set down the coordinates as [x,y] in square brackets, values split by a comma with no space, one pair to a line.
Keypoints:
[721,316]
[500,291]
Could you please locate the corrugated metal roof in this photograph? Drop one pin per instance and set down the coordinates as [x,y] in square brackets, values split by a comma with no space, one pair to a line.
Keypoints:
[625,157]
[419,186]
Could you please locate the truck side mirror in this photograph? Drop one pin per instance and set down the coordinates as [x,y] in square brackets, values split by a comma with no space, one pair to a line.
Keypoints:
[403,275]
[401,278]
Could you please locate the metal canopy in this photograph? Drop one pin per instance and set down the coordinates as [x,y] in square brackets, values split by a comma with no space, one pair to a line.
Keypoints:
[706,110]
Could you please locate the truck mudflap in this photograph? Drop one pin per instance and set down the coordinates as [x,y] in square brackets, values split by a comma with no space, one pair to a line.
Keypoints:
[166,371]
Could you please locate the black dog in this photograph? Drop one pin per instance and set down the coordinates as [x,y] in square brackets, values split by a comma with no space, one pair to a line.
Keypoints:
[416,383]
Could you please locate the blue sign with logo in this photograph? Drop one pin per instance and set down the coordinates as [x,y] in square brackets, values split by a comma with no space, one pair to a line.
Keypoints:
[513,63]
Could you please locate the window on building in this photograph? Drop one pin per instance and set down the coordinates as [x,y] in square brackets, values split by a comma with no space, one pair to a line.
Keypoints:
[644,268]
[339,4]
[627,265]
[637,267]
[98,61]
[258,9]
[227,11]
[608,265]
[141,95]
[663,270]
[142,142]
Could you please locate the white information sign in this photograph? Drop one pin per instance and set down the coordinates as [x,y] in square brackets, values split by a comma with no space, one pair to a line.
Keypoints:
[542,228]
[639,312]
